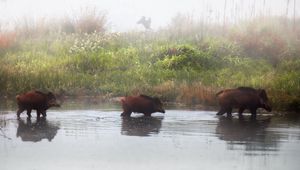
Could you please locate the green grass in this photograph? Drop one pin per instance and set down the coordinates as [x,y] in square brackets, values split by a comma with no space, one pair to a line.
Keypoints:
[185,68]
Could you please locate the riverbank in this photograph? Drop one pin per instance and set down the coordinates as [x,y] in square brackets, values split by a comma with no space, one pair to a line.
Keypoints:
[81,102]
[172,64]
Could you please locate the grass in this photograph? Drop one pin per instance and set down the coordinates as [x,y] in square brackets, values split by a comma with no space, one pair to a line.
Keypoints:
[183,65]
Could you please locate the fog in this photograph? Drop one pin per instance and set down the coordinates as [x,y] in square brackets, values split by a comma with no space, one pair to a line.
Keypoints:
[123,14]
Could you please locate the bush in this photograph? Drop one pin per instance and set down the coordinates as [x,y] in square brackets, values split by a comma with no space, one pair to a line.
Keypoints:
[187,57]
[90,20]
[7,41]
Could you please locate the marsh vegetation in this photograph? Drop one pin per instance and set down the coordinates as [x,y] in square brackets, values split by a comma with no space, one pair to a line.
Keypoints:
[187,61]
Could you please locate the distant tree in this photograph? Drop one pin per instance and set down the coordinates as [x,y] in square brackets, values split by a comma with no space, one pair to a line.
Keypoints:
[224,15]
[294,23]
[287,8]
[91,20]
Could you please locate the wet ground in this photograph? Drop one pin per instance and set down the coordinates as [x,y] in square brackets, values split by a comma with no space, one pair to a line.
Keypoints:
[93,137]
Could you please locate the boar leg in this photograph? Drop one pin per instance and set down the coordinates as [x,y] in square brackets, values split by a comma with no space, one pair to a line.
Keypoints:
[147,114]
[253,114]
[29,113]
[38,112]
[229,111]
[20,110]
[126,113]
[221,111]
[241,110]
[126,110]
[224,110]
[44,113]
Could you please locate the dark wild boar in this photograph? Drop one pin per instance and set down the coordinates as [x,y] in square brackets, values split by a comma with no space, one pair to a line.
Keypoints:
[36,100]
[141,104]
[243,98]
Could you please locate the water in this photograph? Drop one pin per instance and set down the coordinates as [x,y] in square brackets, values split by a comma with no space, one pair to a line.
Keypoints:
[88,137]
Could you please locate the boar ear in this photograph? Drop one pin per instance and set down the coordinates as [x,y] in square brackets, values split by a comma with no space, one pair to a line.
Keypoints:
[156,100]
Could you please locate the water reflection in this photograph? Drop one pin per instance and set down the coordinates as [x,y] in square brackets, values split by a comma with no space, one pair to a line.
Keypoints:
[7,104]
[248,135]
[141,126]
[36,131]
[291,119]
[3,124]
[199,137]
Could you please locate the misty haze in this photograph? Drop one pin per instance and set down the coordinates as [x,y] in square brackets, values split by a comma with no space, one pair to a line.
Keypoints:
[140,84]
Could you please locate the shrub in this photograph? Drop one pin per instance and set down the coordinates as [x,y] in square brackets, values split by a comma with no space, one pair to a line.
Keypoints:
[7,41]
[90,20]
[187,57]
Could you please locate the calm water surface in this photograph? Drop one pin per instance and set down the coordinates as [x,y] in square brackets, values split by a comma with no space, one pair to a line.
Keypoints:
[88,137]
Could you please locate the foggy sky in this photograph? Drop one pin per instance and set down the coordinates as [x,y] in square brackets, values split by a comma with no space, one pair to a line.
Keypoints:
[123,14]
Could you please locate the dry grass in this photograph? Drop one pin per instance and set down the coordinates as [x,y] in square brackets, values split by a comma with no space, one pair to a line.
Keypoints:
[166,90]
[282,99]
[191,94]
[7,40]
[196,93]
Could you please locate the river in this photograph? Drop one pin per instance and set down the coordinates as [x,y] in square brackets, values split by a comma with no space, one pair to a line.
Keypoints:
[94,136]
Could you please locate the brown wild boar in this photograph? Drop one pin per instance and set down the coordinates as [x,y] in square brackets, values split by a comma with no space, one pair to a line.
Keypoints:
[242,98]
[36,100]
[141,104]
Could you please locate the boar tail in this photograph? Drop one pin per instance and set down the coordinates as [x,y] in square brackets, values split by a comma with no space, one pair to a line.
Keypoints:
[122,100]
[18,97]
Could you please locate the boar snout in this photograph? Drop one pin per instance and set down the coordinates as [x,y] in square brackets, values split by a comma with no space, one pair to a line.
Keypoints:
[267,107]
[162,111]
[53,104]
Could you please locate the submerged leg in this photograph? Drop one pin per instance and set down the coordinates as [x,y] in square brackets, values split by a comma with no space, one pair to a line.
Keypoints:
[20,110]
[221,111]
[147,114]
[44,113]
[241,110]
[29,113]
[253,114]
[229,111]
[38,113]
[126,113]
[126,110]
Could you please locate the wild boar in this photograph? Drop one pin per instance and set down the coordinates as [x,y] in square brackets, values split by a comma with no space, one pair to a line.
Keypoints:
[36,100]
[141,104]
[243,98]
